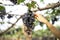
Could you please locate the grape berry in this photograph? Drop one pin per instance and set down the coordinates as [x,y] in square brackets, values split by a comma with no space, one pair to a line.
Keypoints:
[2,14]
[54,19]
[14,1]
[2,17]
[9,16]
[28,19]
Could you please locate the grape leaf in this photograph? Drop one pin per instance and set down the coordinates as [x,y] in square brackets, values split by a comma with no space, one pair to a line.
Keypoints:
[31,5]
[2,7]
[57,12]
[20,1]
[41,0]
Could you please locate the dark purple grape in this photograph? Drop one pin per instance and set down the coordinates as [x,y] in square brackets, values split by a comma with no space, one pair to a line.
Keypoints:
[9,16]
[14,1]
[54,19]
[41,24]
[2,17]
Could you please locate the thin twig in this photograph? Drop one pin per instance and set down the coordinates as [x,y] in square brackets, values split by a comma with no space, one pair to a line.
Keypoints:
[10,27]
[53,5]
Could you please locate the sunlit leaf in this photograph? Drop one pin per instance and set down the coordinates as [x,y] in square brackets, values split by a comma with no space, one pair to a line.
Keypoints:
[33,4]
[41,0]
[36,22]
[2,8]
[20,1]
[55,12]
[29,5]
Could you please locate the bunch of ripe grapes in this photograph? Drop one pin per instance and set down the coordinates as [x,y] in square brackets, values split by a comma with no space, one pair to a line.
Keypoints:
[28,19]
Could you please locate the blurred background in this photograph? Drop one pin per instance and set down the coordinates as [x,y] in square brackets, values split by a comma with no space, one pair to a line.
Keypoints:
[11,23]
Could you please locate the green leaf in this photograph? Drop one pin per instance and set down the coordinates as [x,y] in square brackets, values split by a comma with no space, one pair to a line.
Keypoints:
[57,12]
[29,5]
[41,24]
[53,11]
[2,8]
[41,0]
[33,4]
[36,22]
[20,1]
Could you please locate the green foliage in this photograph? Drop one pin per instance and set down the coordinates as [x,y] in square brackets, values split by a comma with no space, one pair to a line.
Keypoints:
[58,27]
[2,22]
[41,33]
[2,8]
[13,31]
[38,23]
[52,13]
[55,12]
[41,0]
[18,32]
[20,1]
[31,5]
[41,24]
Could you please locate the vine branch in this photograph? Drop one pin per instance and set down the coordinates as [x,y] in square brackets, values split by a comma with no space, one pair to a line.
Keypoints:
[49,6]
[10,27]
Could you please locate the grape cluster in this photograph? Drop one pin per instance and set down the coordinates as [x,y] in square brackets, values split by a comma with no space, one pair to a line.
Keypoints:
[28,19]
[14,1]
